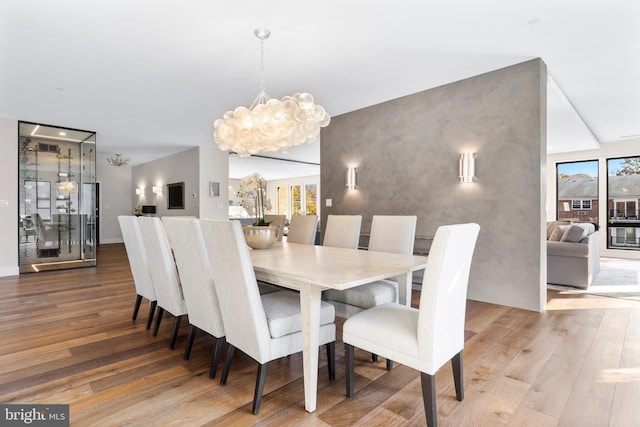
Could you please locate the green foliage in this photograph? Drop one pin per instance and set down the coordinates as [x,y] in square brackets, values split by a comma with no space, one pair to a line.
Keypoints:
[630,166]
[562,176]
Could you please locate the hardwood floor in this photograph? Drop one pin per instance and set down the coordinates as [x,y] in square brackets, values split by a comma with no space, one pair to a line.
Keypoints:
[67,337]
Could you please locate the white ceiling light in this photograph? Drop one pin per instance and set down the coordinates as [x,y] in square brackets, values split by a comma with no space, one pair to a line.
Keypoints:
[269,124]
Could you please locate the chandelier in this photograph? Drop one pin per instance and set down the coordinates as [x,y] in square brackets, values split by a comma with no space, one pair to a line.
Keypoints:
[117,160]
[67,187]
[270,124]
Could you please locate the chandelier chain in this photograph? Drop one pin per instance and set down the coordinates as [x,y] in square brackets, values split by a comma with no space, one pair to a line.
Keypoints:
[262,97]
[263,88]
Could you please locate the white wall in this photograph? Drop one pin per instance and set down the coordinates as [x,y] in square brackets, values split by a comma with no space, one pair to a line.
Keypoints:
[213,167]
[195,167]
[180,167]
[115,198]
[612,149]
[9,197]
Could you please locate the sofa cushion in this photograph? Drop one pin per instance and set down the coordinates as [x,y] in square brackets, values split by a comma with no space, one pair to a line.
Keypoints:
[567,249]
[575,233]
[558,232]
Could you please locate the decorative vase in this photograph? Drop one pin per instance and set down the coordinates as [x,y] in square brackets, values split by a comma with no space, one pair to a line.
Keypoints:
[260,236]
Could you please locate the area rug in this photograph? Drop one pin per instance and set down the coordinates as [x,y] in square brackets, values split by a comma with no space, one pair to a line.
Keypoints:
[617,278]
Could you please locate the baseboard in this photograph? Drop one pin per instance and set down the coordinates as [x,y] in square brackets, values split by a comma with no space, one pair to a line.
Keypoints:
[9,271]
[110,241]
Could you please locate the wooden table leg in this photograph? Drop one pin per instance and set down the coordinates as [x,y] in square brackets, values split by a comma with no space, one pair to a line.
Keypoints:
[310,311]
[404,288]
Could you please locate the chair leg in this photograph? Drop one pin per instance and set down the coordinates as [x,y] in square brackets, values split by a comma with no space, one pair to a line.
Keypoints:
[349,359]
[227,365]
[389,364]
[217,351]
[331,360]
[174,335]
[158,319]
[429,398]
[190,338]
[374,357]
[152,309]
[260,380]
[456,363]
[136,307]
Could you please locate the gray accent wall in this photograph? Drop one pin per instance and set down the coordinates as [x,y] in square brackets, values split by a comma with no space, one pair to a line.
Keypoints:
[406,153]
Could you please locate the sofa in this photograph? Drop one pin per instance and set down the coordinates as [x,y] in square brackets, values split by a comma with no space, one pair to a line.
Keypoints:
[573,253]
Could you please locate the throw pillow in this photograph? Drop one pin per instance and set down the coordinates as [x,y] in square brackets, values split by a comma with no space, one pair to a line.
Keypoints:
[551,225]
[574,233]
[558,232]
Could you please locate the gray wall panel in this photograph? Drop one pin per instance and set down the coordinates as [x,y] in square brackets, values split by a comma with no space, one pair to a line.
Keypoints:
[406,151]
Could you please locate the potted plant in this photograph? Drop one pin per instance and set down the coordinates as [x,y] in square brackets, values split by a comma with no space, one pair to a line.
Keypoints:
[252,192]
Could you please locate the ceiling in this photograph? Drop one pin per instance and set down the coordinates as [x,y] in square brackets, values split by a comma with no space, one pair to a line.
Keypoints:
[151,76]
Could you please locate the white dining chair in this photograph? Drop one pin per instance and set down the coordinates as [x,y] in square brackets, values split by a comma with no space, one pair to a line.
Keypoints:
[302,229]
[164,274]
[196,279]
[139,265]
[428,337]
[277,221]
[342,231]
[389,233]
[265,327]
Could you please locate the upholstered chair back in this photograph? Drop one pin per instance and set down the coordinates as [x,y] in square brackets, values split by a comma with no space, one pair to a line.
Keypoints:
[195,273]
[137,256]
[240,304]
[278,221]
[393,233]
[342,231]
[444,295]
[302,229]
[164,274]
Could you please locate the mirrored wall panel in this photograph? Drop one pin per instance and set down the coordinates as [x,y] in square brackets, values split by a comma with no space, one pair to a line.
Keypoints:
[57,218]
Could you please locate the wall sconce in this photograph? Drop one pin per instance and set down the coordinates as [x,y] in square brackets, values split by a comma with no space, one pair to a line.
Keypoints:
[157,189]
[467,168]
[351,179]
[139,192]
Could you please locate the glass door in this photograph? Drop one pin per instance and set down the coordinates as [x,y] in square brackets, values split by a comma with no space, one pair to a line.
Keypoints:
[57,179]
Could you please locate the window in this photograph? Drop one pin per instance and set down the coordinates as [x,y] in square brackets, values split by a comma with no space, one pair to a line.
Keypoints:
[296,200]
[580,204]
[298,197]
[577,185]
[623,196]
[311,197]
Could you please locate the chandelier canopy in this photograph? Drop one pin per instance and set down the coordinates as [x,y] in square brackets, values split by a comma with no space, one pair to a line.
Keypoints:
[118,160]
[270,124]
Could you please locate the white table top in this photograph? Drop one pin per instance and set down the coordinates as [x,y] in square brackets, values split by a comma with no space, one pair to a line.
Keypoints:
[310,269]
[293,264]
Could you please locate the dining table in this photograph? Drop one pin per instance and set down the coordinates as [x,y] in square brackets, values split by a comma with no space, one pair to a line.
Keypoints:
[310,269]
